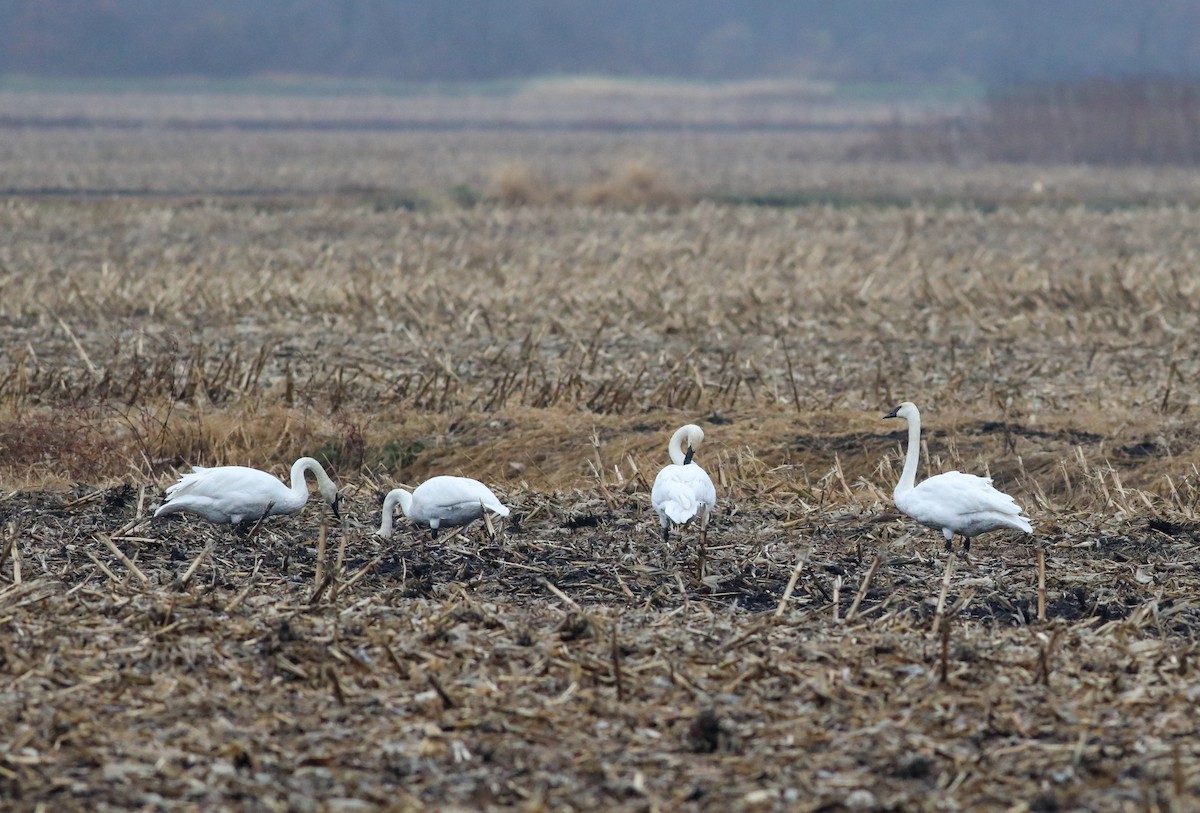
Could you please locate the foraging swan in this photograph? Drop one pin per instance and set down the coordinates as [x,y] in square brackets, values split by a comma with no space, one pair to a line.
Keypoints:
[682,490]
[954,503]
[234,495]
[441,500]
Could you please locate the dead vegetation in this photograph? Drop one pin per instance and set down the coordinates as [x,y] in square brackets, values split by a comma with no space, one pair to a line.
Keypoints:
[1147,121]
[516,184]
[573,660]
[631,185]
[635,183]
[1026,332]
[786,150]
[826,657]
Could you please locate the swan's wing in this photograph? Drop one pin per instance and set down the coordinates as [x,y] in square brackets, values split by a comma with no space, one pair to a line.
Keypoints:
[224,480]
[455,500]
[964,503]
[224,493]
[456,490]
[459,513]
[972,493]
[482,495]
[706,492]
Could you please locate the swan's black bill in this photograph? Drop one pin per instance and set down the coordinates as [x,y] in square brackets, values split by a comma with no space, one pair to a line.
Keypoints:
[892,414]
[687,458]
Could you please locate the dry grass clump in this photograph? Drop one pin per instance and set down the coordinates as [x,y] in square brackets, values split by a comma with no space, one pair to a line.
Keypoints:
[48,447]
[635,183]
[516,184]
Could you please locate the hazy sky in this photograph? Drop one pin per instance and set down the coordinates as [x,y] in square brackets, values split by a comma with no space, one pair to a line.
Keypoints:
[988,41]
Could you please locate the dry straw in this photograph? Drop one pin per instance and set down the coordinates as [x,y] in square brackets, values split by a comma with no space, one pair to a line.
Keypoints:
[564,658]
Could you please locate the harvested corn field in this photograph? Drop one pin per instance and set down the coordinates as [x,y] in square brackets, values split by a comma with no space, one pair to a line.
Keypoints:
[818,652]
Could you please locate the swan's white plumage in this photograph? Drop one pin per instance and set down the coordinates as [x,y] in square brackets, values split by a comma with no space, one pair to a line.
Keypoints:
[953,502]
[441,501]
[237,494]
[682,490]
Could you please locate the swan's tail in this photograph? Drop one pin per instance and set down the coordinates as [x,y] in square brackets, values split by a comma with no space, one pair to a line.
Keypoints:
[1011,519]
[186,480]
[1014,517]
[680,509]
[168,508]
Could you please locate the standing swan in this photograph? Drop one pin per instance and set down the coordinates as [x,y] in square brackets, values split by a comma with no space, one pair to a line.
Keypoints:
[233,495]
[442,500]
[953,502]
[682,490]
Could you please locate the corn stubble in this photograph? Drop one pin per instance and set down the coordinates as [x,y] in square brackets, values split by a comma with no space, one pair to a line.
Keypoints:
[827,656]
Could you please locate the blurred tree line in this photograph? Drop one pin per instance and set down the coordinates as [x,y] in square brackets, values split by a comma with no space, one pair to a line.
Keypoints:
[990,41]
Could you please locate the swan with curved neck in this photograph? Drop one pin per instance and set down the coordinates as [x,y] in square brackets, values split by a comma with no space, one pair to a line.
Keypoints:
[235,495]
[441,501]
[682,490]
[953,502]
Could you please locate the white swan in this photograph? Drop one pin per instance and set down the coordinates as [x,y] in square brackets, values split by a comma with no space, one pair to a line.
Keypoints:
[954,503]
[233,495]
[441,500]
[682,490]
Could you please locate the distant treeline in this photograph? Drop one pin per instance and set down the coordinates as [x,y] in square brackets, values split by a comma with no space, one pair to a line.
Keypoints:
[989,41]
[1098,121]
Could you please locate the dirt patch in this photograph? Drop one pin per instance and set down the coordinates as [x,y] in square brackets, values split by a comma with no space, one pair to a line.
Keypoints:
[580,661]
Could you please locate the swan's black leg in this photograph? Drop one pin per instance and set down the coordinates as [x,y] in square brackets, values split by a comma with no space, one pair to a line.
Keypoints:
[433,533]
[950,545]
[966,545]
[666,534]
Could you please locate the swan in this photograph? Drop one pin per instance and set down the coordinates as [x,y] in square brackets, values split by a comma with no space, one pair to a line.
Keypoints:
[441,500]
[235,495]
[682,490]
[953,502]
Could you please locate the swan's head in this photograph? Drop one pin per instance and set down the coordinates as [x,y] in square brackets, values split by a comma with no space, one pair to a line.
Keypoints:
[693,436]
[907,411]
[330,495]
[325,487]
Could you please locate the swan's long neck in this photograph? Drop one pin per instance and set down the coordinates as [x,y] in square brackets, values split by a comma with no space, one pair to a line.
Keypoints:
[675,448]
[299,486]
[908,477]
[396,495]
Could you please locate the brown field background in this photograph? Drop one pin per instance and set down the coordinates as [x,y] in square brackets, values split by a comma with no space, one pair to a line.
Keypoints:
[539,306]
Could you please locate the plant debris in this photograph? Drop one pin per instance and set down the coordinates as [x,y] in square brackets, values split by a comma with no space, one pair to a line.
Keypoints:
[822,655]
